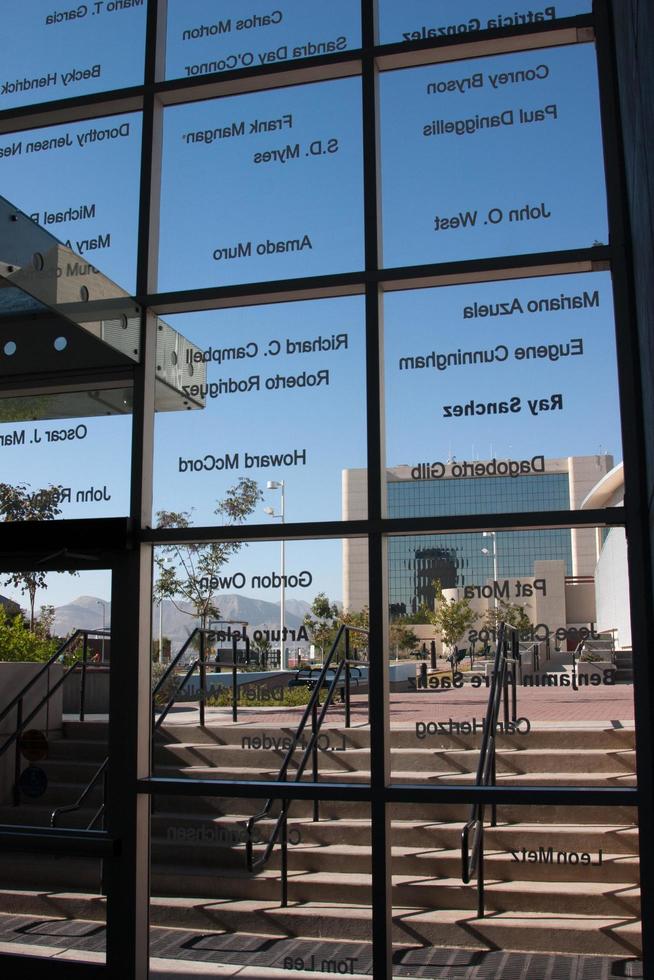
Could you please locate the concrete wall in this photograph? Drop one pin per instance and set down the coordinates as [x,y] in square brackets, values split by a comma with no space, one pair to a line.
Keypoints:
[584,472]
[96,697]
[612,585]
[580,603]
[354,502]
[13,677]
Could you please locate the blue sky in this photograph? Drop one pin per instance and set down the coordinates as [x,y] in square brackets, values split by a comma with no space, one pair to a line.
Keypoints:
[242,185]
[461,16]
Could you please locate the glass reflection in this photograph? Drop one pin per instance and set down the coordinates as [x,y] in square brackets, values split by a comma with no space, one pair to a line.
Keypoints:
[531,120]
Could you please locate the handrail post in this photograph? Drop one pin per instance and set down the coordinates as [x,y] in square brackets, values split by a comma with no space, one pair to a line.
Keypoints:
[82,686]
[347,678]
[19,725]
[347,694]
[104,798]
[103,883]
[314,757]
[203,677]
[505,692]
[234,686]
[493,783]
[284,855]
[480,872]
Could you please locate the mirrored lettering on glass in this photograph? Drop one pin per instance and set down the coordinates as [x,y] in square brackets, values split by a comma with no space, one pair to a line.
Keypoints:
[422,20]
[492,156]
[62,50]
[204,38]
[512,392]
[80,182]
[271,393]
[262,187]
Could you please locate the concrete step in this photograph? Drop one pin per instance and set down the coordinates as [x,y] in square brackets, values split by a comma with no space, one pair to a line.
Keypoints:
[37,814]
[90,731]
[81,750]
[610,935]
[206,806]
[70,770]
[594,736]
[619,840]
[50,873]
[532,863]
[574,897]
[412,926]
[335,754]
[62,793]
[331,772]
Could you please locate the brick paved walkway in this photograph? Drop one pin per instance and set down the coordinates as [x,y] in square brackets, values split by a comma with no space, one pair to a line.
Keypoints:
[559,706]
[179,953]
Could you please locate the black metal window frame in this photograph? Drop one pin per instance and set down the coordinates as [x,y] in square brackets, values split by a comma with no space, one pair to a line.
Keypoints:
[126,546]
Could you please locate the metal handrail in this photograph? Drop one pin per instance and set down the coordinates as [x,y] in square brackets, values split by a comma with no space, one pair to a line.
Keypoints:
[100,771]
[578,651]
[279,831]
[156,724]
[202,662]
[17,701]
[472,853]
[46,666]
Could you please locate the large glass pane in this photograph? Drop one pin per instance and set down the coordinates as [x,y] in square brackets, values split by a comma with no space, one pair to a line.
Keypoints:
[559,599]
[262,186]
[516,390]
[254,652]
[208,907]
[52,51]
[245,373]
[203,38]
[55,668]
[66,454]
[492,156]
[80,181]
[561,897]
[421,20]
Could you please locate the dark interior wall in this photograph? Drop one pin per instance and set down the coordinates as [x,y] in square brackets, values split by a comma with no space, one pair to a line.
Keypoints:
[634,43]
[633,22]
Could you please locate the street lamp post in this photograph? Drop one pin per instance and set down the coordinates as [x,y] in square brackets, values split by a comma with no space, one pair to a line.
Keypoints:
[101,602]
[160,657]
[280,485]
[485,551]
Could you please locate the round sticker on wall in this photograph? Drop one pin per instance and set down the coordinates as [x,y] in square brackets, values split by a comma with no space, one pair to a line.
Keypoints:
[33,782]
[34,745]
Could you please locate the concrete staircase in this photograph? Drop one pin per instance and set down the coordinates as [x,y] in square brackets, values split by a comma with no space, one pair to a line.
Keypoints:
[624,666]
[559,879]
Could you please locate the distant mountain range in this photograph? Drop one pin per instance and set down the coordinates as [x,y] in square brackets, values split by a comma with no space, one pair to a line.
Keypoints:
[85,612]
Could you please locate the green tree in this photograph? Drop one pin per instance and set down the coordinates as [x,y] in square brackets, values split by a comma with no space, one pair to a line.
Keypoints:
[401,638]
[19,643]
[322,622]
[421,617]
[19,503]
[188,572]
[261,646]
[452,617]
[358,641]
[44,624]
[507,612]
